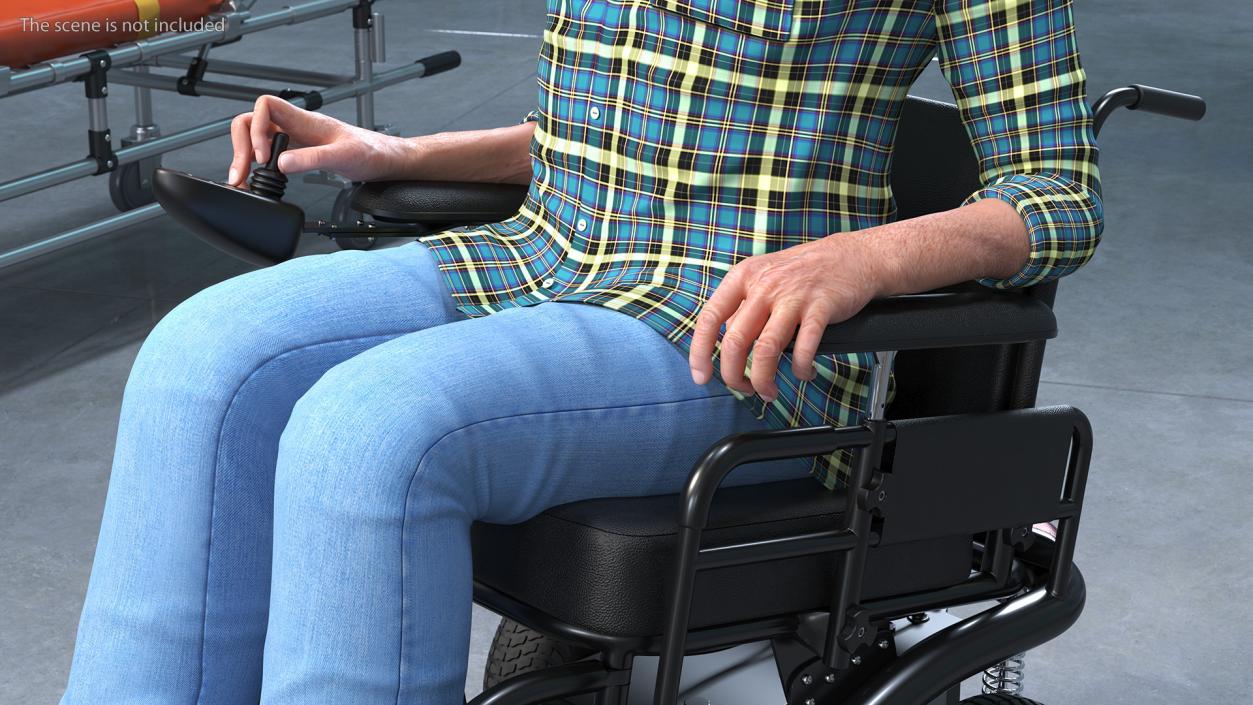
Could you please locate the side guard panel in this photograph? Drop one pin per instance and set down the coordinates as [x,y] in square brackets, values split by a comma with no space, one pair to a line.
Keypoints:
[950,475]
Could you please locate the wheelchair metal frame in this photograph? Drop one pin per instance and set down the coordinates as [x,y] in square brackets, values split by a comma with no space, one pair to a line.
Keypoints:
[847,654]
[131,63]
[1040,592]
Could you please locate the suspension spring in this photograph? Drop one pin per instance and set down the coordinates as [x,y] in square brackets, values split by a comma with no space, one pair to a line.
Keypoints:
[1006,677]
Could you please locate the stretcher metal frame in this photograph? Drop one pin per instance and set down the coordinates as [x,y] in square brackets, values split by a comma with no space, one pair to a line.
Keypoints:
[132,63]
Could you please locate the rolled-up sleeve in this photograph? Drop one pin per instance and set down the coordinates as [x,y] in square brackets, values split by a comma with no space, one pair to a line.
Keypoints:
[1015,73]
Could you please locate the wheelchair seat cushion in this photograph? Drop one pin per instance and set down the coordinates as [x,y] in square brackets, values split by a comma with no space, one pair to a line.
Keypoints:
[602,564]
[445,203]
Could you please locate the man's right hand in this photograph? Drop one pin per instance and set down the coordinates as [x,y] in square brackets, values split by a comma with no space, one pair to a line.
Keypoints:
[317,142]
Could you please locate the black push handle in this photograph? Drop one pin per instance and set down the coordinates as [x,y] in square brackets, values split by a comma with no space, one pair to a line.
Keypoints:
[439,63]
[1149,99]
[1169,103]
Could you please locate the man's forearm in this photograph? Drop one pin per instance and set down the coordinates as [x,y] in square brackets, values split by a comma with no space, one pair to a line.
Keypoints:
[986,238]
[501,155]
[791,295]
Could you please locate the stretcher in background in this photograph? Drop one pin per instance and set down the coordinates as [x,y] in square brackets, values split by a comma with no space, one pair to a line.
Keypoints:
[39,30]
[27,65]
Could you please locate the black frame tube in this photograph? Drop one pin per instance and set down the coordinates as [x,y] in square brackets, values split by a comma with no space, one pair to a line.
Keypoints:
[706,477]
[962,650]
[852,563]
[1072,501]
[709,472]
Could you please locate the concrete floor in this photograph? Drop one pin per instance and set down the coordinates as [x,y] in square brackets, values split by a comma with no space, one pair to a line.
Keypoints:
[1156,344]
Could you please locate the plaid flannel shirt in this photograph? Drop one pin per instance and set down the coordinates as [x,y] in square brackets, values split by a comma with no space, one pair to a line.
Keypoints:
[676,137]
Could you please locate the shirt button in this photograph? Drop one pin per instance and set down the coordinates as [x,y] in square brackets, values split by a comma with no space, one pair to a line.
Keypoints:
[581,224]
[594,113]
[548,283]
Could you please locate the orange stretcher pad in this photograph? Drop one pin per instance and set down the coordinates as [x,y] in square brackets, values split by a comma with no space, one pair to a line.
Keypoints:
[38,30]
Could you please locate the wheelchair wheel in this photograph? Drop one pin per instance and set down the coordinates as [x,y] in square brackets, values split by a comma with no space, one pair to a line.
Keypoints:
[518,649]
[999,700]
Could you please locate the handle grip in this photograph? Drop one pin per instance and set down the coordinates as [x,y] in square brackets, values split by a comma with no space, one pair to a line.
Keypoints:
[439,63]
[1164,102]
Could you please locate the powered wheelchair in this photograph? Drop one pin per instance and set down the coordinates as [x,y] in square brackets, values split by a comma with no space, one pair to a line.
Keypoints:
[785,592]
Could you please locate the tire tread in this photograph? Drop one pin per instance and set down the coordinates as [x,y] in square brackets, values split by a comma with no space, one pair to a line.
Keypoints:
[518,649]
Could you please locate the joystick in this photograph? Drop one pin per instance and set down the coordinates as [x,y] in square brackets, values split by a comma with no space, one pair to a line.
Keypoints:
[267,180]
[254,225]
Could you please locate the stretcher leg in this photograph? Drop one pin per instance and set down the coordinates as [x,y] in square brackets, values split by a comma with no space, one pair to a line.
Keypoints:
[130,186]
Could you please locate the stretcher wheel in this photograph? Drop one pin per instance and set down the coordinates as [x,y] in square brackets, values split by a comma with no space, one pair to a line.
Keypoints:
[518,649]
[999,700]
[343,212]
[130,185]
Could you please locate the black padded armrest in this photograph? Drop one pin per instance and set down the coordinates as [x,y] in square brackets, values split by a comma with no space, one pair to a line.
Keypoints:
[942,320]
[445,203]
[917,321]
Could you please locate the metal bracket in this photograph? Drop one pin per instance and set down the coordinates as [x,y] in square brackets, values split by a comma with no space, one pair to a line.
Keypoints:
[363,15]
[360,228]
[195,74]
[100,148]
[1021,537]
[290,94]
[874,499]
[807,680]
[96,80]
[858,631]
[96,88]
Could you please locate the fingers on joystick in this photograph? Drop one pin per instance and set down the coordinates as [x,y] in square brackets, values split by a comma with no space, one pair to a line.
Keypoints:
[267,180]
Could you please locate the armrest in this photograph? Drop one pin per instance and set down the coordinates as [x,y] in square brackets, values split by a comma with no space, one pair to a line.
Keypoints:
[942,320]
[446,203]
[916,321]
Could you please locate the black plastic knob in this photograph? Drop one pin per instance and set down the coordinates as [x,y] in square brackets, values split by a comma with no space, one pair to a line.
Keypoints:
[267,181]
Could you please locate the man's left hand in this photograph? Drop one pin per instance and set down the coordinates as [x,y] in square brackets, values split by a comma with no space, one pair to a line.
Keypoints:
[766,300]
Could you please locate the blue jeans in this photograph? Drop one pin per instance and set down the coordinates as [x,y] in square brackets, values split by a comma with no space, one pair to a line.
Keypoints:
[302,450]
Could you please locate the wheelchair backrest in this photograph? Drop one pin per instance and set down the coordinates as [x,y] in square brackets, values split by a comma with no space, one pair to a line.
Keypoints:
[934,169]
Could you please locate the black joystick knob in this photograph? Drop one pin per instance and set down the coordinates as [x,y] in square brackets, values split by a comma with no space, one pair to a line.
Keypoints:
[254,225]
[267,180]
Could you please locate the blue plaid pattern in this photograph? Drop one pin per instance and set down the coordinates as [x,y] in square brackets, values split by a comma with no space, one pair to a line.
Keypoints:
[676,137]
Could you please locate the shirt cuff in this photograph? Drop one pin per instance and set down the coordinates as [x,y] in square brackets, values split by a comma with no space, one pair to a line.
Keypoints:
[1064,221]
